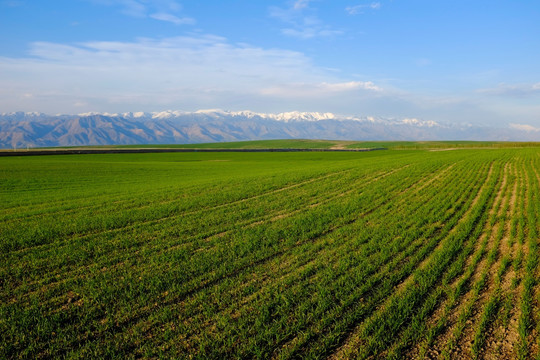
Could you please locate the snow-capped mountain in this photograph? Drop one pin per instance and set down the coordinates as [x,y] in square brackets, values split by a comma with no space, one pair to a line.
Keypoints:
[21,129]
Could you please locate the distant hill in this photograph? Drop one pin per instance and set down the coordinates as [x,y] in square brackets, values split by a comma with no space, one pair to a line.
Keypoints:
[19,130]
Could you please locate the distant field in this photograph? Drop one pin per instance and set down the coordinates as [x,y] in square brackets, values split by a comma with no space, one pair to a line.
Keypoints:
[259,144]
[329,144]
[384,254]
[254,144]
[340,144]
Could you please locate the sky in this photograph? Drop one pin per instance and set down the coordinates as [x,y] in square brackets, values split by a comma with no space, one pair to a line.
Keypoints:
[456,61]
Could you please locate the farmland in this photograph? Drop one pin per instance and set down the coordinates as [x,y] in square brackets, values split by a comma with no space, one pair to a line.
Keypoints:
[384,254]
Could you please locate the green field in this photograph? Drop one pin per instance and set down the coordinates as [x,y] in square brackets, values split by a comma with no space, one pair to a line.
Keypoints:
[257,144]
[325,144]
[385,254]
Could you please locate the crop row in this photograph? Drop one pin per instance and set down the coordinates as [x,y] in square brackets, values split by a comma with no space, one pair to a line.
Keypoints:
[403,254]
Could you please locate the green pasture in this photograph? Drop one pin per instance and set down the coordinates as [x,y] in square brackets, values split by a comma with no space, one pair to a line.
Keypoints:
[383,254]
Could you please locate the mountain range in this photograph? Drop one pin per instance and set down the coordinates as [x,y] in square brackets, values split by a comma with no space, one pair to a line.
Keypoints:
[23,129]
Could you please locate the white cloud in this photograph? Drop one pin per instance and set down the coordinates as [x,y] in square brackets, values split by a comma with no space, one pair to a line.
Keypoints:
[80,104]
[285,15]
[322,89]
[201,71]
[524,127]
[351,85]
[187,71]
[301,4]
[513,90]
[164,10]
[130,7]
[205,71]
[172,18]
[302,25]
[310,32]
[358,9]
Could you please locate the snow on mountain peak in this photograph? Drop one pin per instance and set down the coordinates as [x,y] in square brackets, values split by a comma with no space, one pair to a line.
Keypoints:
[285,116]
[94,113]
[417,122]
[136,115]
[214,112]
[303,116]
[219,114]
[166,114]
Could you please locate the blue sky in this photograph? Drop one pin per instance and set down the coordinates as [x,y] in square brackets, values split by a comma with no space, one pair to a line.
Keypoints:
[447,61]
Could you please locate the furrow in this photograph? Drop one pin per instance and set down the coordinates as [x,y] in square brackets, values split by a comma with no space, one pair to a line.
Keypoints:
[461,307]
[496,347]
[169,214]
[356,344]
[200,239]
[444,299]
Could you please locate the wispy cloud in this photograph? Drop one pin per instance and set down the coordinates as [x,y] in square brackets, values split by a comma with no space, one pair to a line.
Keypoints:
[524,127]
[194,72]
[352,85]
[189,71]
[302,21]
[322,89]
[172,18]
[301,4]
[513,90]
[163,10]
[310,32]
[359,9]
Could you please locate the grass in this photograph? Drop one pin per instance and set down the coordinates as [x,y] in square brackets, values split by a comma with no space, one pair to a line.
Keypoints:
[391,254]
